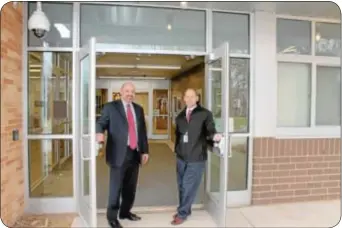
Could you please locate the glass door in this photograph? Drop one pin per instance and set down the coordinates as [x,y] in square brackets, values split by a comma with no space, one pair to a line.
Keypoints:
[217,75]
[88,147]
[160,116]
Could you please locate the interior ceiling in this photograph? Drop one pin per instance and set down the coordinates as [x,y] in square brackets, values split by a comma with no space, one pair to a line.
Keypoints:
[129,65]
[144,65]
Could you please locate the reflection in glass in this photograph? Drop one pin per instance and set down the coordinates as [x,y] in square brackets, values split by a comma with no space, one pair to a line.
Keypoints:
[127,27]
[215,174]
[85,77]
[328,96]
[50,168]
[60,17]
[328,39]
[237,167]
[216,98]
[86,178]
[294,86]
[239,95]
[293,36]
[238,164]
[49,93]
[232,28]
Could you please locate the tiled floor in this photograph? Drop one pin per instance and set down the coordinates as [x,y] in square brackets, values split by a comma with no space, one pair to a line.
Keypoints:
[157,184]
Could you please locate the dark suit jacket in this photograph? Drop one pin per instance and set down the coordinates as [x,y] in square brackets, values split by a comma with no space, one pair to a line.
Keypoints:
[113,119]
[200,129]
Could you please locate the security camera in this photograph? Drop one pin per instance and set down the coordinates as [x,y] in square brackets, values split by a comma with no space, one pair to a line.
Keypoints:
[38,23]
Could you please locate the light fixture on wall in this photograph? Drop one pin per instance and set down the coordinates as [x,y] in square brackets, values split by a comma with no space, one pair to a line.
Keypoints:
[169,27]
[318,36]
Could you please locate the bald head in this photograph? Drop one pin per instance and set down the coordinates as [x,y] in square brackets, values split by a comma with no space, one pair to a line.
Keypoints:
[127,92]
[190,97]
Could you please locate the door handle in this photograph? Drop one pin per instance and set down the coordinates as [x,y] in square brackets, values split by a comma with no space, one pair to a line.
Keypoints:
[229,146]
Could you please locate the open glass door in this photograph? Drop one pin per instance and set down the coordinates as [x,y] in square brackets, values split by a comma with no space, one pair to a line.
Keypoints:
[88,147]
[217,75]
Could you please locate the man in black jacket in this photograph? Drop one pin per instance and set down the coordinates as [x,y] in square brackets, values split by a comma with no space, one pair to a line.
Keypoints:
[194,127]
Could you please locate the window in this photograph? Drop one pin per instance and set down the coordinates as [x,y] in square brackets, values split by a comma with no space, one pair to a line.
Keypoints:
[328,39]
[309,81]
[294,80]
[328,96]
[293,37]
[60,17]
[129,27]
[233,28]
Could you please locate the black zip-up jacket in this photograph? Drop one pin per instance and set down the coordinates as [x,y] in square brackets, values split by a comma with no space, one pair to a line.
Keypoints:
[201,130]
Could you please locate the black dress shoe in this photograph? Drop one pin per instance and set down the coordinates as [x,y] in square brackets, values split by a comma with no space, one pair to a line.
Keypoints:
[114,224]
[130,216]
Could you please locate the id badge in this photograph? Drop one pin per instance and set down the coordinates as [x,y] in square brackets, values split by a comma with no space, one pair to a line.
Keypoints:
[185,138]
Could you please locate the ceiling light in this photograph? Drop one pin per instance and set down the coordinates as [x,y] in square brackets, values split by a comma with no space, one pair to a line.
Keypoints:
[169,27]
[152,67]
[184,4]
[133,78]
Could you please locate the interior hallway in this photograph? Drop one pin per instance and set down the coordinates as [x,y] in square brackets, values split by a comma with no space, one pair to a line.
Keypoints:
[157,184]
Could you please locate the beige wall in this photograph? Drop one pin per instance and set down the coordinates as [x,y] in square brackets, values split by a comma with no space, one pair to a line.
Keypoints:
[12,175]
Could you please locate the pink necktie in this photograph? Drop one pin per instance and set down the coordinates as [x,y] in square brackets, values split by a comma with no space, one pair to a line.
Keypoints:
[188,116]
[131,128]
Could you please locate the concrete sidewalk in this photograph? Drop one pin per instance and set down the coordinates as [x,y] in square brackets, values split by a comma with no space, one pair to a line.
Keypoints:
[307,214]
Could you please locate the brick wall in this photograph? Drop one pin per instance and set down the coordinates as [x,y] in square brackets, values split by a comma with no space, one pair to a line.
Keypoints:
[12,176]
[292,170]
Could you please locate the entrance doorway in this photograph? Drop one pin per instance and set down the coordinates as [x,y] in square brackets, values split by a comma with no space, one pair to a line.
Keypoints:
[217,180]
[152,76]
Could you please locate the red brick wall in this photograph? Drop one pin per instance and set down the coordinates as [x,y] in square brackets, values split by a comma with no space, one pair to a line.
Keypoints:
[12,176]
[292,170]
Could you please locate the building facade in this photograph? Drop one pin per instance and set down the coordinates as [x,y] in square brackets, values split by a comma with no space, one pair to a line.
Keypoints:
[289,58]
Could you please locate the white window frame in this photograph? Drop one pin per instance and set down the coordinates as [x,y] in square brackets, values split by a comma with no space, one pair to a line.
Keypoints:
[313,131]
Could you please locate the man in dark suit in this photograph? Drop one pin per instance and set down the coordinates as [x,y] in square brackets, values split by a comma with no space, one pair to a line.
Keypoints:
[195,127]
[127,147]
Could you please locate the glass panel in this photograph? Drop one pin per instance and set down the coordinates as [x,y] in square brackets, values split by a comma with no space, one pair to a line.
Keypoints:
[238,164]
[294,97]
[216,98]
[49,93]
[86,178]
[232,28]
[141,98]
[293,36]
[101,100]
[328,39]
[60,17]
[215,175]
[328,96]
[50,168]
[85,74]
[160,111]
[239,95]
[128,27]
